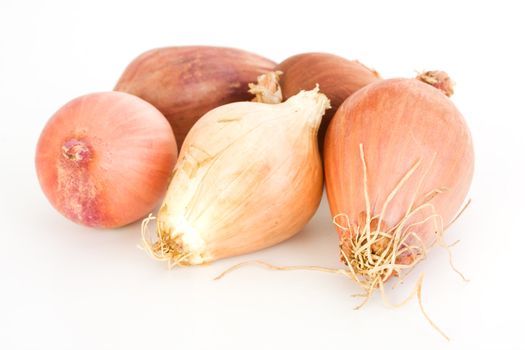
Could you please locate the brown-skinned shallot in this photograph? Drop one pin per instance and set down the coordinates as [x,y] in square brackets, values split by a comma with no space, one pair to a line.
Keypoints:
[337,77]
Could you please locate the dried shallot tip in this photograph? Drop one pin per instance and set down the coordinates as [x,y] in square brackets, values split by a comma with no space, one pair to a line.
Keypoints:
[249,176]
[76,150]
[267,88]
[438,79]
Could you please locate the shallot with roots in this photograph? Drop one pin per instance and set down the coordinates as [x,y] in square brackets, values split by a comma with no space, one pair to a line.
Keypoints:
[249,176]
[399,161]
[104,159]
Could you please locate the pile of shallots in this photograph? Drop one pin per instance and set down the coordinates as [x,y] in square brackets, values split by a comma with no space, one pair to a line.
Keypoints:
[232,141]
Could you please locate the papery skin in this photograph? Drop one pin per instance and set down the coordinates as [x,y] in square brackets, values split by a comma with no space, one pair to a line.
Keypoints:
[186,82]
[398,122]
[249,176]
[104,159]
[337,77]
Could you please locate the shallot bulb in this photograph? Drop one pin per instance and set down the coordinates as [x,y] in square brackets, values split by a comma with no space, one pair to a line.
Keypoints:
[399,161]
[186,82]
[337,77]
[104,159]
[249,176]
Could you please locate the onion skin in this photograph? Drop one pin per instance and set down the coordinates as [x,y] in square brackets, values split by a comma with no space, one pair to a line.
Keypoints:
[105,159]
[398,122]
[186,82]
[337,77]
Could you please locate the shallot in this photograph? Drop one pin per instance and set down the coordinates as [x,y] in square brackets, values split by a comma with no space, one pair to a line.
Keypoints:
[186,82]
[249,176]
[337,77]
[399,161]
[104,159]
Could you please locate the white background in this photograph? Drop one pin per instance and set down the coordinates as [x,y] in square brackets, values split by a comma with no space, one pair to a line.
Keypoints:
[63,286]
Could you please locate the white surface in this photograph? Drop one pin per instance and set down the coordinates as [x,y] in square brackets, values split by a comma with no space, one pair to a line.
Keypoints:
[68,287]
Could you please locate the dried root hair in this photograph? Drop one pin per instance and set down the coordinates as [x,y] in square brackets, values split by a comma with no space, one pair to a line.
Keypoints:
[162,247]
[373,253]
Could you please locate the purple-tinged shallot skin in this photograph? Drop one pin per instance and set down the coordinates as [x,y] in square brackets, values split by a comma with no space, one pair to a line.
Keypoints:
[186,82]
